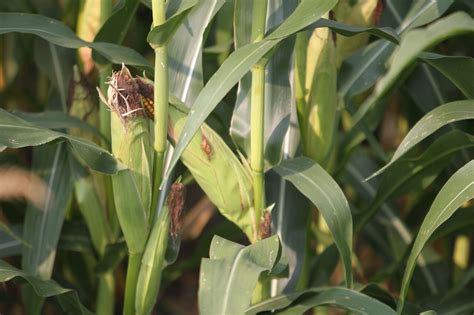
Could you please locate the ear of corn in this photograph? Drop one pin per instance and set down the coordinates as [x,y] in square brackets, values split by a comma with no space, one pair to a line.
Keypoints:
[131,146]
[319,113]
[226,180]
[152,264]
[360,13]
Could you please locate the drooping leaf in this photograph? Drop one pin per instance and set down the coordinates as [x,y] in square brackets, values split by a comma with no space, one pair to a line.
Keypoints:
[56,120]
[319,187]
[18,133]
[413,43]
[58,34]
[66,298]
[298,303]
[361,70]
[290,218]
[161,34]
[185,52]
[437,118]
[117,25]
[457,68]
[229,276]
[41,229]
[240,63]
[417,172]
[457,190]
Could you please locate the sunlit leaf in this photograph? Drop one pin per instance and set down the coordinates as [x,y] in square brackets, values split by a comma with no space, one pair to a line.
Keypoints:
[457,190]
[319,187]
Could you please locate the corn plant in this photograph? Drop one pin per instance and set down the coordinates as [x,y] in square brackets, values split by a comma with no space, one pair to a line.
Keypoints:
[236,157]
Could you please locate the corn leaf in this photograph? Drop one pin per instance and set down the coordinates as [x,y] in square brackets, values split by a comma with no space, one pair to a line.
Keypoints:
[437,118]
[299,302]
[413,43]
[278,92]
[185,52]
[457,190]
[361,70]
[58,34]
[161,34]
[319,187]
[458,69]
[18,133]
[228,277]
[240,63]
[66,298]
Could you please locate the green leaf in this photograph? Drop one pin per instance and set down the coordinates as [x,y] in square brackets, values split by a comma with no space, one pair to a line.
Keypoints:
[57,120]
[228,278]
[11,245]
[361,70]
[413,43]
[278,92]
[161,34]
[58,34]
[91,208]
[351,30]
[290,226]
[299,302]
[41,229]
[458,69]
[356,170]
[115,28]
[437,118]
[66,298]
[18,133]
[239,63]
[457,190]
[185,52]
[415,173]
[319,187]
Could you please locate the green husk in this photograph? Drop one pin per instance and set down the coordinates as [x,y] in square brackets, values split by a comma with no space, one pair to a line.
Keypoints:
[317,114]
[225,180]
[152,264]
[359,13]
[132,147]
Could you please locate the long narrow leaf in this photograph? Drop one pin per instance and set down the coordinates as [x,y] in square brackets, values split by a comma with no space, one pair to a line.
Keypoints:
[18,133]
[298,303]
[67,298]
[412,44]
[457,190]
[57,33]
[319,187]
[437,118]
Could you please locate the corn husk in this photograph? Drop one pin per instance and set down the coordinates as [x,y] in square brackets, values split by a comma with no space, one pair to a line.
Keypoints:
[225,179]
[318,115]
[131,146]
[359,13]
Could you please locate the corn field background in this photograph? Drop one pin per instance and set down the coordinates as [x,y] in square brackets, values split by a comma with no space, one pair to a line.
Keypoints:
[224,157]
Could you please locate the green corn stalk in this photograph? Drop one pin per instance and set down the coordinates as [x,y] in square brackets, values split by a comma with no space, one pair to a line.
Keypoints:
[360,13]
[132,186]
[224,178]
[317,113]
